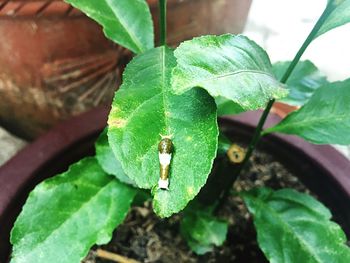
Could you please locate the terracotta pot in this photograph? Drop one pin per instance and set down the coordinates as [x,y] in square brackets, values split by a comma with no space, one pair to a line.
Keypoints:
[282,109]
[55,62]
[190,18]
[323,170]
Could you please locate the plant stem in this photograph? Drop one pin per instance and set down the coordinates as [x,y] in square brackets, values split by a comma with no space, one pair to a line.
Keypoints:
[114,257]
[162,21]
[307,42]
[258,131]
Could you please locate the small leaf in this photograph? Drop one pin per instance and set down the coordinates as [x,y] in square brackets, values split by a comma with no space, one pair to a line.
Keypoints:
[294,227]
[108,161]
[127,23]
[202,230]
[339,14]
[145,108]
[303,82]
[324,119]
[224,144]
[227,107]
[198,248]
[65,215]
[231,67]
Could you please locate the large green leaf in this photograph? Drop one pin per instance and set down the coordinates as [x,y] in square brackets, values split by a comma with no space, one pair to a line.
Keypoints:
[145,108]
[128,23]
[108,161]
[324,119]
[294,227]
[303,82]
[227,66]
[202,230]
[339,14]
[64,216]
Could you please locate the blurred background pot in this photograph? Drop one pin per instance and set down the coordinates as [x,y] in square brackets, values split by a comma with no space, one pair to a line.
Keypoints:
[55,62]
[190,18]
[283,109]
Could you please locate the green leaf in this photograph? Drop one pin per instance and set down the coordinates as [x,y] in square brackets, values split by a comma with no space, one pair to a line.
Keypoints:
[227,66]
[202,230]
[294,227]
[303,82]
[198,248]
[339,14]
[143,108]
[127,23]
[65,215]
[108,161]
[227,107]
[224,144]
[324,119]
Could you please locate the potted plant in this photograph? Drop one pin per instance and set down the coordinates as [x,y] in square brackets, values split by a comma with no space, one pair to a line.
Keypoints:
[163,138]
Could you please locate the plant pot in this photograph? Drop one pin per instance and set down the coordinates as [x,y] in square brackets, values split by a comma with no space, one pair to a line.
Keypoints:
[55,62]
[321,168]
[190,18]
[283,109]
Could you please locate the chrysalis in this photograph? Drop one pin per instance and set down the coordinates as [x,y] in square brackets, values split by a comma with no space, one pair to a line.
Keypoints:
[165,149]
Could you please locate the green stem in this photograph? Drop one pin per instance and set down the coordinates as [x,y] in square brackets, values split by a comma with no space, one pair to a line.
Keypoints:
[162,21]
[307,42]
[258,131]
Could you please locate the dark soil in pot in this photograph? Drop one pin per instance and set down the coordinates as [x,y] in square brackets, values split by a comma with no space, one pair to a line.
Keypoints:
[147,238]
[322,169]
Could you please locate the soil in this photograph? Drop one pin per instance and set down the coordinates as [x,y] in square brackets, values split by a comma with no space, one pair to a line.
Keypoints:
[146,238]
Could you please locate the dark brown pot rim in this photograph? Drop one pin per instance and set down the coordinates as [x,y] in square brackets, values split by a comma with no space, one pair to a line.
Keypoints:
[74,139]
[19,170]
[324,156]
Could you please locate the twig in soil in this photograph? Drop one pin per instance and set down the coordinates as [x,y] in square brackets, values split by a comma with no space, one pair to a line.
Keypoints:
[114,257]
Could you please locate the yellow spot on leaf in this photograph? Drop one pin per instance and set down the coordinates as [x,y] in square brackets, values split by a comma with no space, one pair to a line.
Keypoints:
[117,123]
[189,138]
[114,110]
[190,190]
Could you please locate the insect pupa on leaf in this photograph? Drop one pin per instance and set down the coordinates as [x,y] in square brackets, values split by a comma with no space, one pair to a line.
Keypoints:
[165,150]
